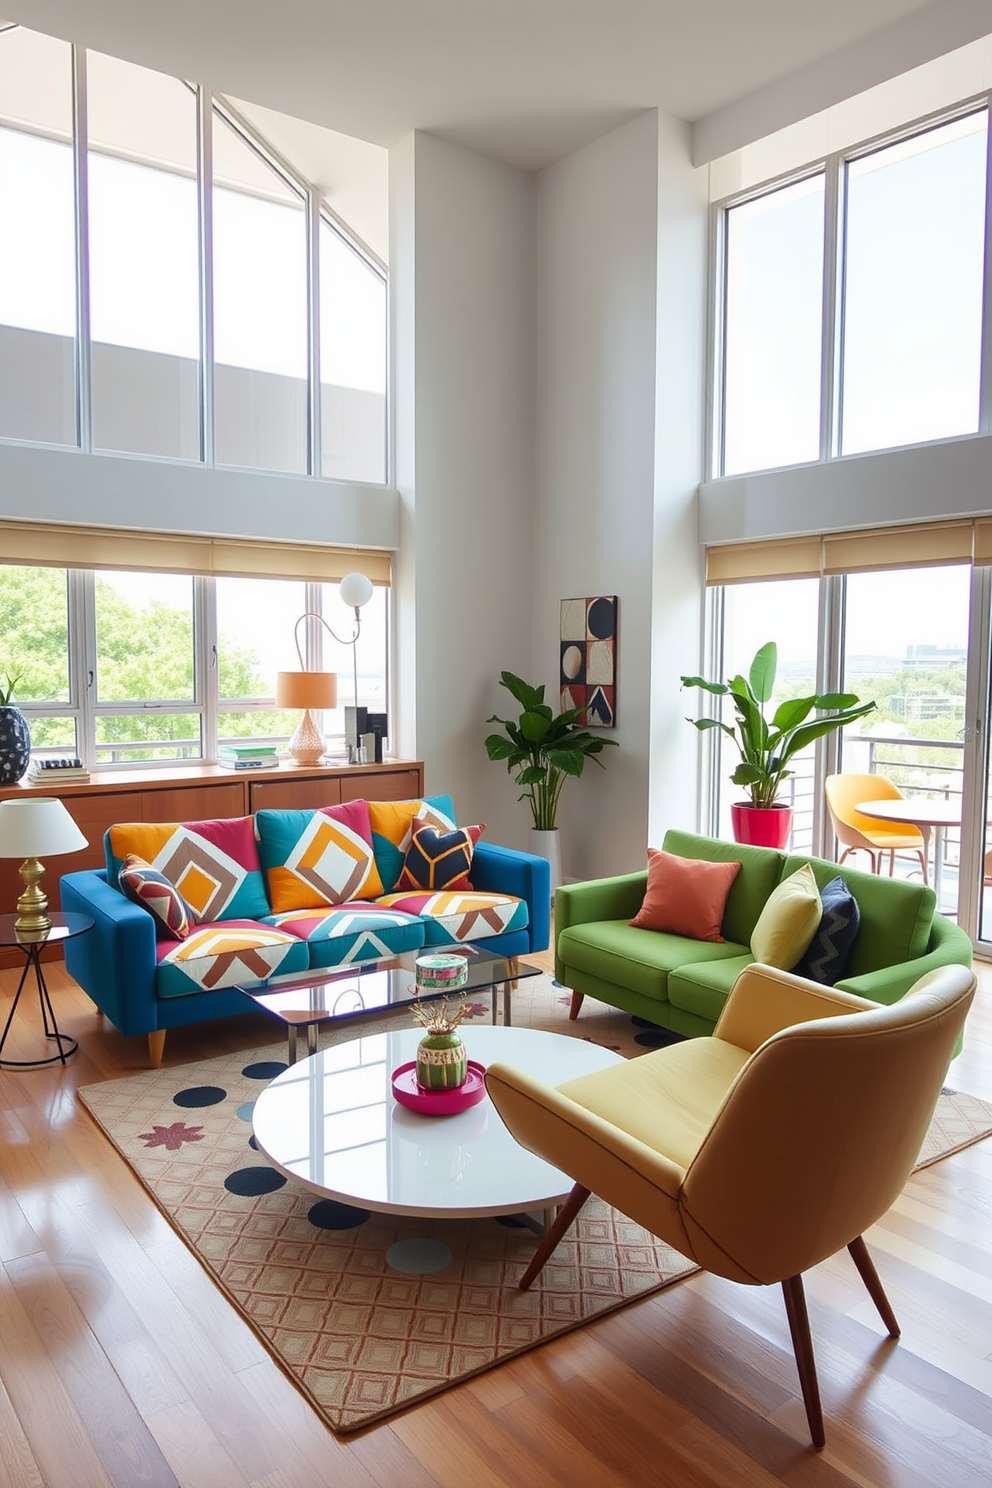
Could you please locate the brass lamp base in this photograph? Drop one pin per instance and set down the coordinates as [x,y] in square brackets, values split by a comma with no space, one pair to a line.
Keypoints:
[307,746]
[33,922]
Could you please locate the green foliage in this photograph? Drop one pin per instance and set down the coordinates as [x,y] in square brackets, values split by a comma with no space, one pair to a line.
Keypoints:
[543,747]
[766,745]
[145,655]
[7,692]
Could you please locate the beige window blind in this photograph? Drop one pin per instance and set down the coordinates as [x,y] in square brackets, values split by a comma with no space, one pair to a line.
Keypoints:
[923,544]
[56,546]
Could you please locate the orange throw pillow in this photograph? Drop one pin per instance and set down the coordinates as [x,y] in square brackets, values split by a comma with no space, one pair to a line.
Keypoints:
[685,896]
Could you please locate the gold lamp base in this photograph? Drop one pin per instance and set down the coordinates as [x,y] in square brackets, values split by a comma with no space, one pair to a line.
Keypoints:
[33,922]
[307,746]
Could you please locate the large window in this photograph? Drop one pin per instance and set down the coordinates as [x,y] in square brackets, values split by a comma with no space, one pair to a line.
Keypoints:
[197,334]
[850,303]
[132,668]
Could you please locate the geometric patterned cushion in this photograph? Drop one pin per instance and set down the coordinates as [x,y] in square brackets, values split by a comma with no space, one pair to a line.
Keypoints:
[213,864]
[144,885]
[392,828]
[826,959]
[461,916]
[351,932]
[226,955]
[439,860]
[316,859]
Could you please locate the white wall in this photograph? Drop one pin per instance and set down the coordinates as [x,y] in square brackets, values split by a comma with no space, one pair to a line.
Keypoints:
[462,266]
[594,518]
[676,615]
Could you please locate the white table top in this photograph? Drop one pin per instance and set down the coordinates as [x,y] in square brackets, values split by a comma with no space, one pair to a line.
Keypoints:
[917,810]
[331,1123]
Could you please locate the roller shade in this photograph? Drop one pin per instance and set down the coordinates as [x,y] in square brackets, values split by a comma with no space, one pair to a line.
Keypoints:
[917,546]
[56,546]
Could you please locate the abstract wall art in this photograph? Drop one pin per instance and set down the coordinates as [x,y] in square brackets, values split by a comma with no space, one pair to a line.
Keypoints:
[588,659]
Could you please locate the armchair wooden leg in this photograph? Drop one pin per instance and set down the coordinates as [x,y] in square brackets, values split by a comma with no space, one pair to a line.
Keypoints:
[554,1236]
[156,1048]
[578,998]
[866,1268]
[802,1344]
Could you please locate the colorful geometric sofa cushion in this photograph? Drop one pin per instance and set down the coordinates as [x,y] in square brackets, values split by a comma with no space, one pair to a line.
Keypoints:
[392,828]
[213,864]
[144,885]
[316,859]
[351,932]
[439,859]
[461,916]
[225,955]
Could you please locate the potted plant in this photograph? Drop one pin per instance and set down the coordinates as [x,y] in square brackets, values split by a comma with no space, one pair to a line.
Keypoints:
[766,745]
[544,748]
[15,735]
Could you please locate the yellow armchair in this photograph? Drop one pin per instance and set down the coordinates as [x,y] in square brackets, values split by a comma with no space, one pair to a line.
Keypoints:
[764,1149]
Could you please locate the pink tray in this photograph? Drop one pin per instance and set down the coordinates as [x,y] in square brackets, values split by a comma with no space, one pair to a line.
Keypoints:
[438,1102]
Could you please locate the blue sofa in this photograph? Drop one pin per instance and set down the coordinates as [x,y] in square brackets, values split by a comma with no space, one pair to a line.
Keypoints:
[146,983]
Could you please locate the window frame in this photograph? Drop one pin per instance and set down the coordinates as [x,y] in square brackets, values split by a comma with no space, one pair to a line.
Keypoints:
[834,167]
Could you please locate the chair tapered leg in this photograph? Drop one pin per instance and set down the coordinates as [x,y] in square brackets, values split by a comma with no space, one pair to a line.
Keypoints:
[554,1236]
[870,1277]
[802,1344]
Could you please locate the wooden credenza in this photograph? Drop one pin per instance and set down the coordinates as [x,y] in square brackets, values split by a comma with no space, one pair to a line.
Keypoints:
[198,794]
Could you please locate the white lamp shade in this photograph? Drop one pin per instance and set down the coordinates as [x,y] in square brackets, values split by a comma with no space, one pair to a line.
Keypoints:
[355,590]
[38,827]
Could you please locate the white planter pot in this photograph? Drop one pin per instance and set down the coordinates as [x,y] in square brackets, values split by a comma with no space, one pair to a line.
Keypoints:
[548,845]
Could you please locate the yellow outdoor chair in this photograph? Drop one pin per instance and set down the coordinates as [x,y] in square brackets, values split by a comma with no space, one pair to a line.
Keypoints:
[764,1149]
[870,834]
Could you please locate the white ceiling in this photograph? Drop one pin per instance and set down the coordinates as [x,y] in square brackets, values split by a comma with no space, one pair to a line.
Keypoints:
[526,81]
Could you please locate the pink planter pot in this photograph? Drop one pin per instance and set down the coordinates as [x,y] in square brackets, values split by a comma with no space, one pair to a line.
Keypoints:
[761,826]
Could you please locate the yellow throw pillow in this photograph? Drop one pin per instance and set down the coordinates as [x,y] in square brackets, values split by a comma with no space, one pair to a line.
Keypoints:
[788,922]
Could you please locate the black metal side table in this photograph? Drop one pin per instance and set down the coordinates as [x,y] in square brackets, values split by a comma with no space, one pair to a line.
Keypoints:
[63,927]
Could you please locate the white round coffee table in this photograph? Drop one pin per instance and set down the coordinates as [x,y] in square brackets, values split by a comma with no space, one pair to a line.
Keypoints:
[331,1123]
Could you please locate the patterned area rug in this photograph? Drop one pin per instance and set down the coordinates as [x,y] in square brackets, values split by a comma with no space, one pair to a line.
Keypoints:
[368,1313]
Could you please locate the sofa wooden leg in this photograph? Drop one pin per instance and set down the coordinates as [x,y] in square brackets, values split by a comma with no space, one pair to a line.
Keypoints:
[156,1048]
[578,998]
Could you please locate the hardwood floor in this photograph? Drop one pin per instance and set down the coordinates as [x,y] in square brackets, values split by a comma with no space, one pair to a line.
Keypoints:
[121,1363]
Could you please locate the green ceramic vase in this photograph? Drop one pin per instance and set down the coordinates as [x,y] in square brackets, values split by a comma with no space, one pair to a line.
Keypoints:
[442,1063]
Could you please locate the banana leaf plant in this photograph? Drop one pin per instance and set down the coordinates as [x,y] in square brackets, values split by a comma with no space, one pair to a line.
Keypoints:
[766,744]
[544,748]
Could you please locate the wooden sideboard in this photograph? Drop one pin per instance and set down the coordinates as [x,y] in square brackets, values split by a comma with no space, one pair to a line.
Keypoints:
[195,794]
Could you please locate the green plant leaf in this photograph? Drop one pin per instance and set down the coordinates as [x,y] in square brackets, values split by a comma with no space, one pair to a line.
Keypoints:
[763,669]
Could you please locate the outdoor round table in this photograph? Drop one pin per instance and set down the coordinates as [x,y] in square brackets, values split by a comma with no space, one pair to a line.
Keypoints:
[62,927]
[331,1122]
[925,814]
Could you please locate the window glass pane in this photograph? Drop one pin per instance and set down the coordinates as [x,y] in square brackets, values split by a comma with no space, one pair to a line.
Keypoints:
[352,362]
[144,639]
[913,293]
[34,632]
[256,620]
[123,739]
[774,296]
[37,240]
[144,260]
[910,657]
[753,615]
[367,659]
[260,311]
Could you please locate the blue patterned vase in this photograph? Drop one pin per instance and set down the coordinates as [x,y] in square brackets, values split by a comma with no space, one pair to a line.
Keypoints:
[15,745]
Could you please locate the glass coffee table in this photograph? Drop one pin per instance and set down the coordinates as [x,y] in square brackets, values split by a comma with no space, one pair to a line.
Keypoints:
[375,989]
[332,1124]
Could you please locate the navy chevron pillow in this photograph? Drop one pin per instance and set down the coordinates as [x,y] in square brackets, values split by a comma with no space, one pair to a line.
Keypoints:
[826,959]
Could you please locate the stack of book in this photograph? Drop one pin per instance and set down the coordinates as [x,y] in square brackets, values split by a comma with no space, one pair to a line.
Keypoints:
[247,756]
[65,768]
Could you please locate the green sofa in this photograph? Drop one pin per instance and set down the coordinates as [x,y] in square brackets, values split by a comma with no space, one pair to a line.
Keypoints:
[683,984]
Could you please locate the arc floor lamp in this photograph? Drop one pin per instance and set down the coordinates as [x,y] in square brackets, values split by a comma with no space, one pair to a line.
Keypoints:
[315,690]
